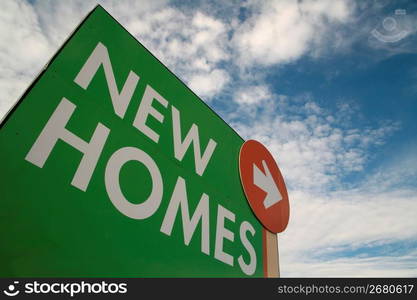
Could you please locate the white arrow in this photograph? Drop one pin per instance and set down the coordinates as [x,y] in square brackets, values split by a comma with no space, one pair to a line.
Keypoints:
[266,183]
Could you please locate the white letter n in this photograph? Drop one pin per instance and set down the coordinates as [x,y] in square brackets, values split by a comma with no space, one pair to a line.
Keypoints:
[100,56]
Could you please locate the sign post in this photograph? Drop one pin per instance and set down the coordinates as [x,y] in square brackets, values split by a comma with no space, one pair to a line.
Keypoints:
[111,166]
[272,254]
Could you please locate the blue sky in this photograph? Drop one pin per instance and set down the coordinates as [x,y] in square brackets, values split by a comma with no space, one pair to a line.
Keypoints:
[329,86]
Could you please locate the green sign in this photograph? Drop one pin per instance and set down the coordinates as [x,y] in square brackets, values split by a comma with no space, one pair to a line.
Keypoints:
[111,166]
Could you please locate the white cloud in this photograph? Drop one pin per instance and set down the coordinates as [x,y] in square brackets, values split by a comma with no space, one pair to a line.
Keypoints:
[397,172]
[209,84]
[252,94]
[191,44]
[283,31]
[351,217]
[324,225]
[23,50]
[314,148]
[376,266]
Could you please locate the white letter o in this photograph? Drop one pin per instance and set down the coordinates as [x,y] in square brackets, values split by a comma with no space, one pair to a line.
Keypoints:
[135,211]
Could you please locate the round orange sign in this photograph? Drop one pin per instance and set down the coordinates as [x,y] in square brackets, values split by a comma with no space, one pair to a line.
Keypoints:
[264,186]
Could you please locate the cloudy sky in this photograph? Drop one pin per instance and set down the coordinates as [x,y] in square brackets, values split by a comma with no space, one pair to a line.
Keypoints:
[329,86]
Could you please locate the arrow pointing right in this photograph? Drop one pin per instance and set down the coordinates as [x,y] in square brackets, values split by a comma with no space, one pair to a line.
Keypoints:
[267,184]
